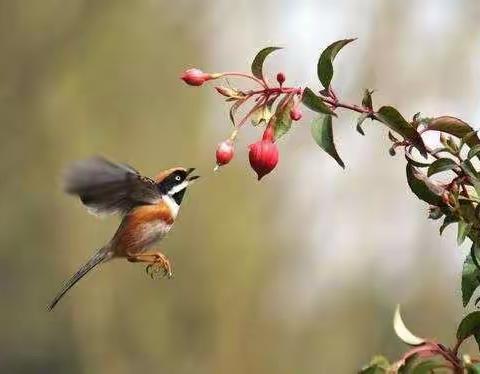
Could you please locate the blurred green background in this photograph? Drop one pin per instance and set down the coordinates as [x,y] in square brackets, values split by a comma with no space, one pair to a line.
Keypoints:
[297,274]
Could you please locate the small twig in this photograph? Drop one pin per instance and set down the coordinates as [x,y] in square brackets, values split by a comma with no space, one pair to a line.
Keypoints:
[243,75]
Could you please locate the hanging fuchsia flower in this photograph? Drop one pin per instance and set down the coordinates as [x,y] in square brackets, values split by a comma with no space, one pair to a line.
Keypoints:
[263,154]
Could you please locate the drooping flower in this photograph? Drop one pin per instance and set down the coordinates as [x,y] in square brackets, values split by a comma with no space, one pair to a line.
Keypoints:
[263,154]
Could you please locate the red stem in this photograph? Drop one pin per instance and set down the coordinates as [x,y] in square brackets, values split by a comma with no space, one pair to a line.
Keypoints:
[337,104]
[276,90]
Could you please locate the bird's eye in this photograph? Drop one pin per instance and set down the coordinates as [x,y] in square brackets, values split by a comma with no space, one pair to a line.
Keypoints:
[178,178]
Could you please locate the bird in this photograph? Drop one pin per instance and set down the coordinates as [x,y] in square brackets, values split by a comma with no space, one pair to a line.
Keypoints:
[148,207]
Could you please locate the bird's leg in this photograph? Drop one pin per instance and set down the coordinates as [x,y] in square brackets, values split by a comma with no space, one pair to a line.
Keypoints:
[154,260]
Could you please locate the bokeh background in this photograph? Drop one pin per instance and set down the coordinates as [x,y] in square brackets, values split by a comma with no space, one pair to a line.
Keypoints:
[297,274]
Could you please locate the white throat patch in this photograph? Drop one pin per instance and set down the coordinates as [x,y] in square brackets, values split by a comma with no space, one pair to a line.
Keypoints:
[172,205]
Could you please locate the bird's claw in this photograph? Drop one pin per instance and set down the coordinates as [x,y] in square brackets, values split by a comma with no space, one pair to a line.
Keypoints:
[153,269]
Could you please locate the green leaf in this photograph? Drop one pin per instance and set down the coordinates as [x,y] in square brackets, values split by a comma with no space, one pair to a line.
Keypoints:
[469,326]
[257,64]
[403,332]
[452,145]
[474,151]
[470,213]
[408,364]
[416,163]
[426,367]
[325,62]
[360,120]
[425,362]
[470,278]
[455,127]
[463,230]
[423,188]
[373,369]
[472,174]
[477,339]
[378,365]
[282,119]
[323,134]
[472,368]
[443,139]
[437,151]
[469,169]
[467,210]
[440,165]
[261,116]
[467,138]
[367,99]
[394,120]
[313,102]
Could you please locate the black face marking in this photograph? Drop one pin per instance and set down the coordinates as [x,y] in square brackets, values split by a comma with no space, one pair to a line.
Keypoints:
[178,197]
[174,179]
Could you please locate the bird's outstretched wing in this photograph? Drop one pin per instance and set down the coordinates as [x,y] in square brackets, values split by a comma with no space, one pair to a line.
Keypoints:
[106,187]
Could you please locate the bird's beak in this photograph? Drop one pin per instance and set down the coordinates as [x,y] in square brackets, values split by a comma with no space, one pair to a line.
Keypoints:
[193,177]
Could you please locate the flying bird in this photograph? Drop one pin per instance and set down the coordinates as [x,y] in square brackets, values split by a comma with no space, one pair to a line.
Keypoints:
[148,208]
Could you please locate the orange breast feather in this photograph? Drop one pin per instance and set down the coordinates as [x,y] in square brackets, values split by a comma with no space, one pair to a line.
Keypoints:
[142,227]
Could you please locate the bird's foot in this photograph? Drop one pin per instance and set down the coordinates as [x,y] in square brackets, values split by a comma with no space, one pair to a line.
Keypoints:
[161,264]
[157,262]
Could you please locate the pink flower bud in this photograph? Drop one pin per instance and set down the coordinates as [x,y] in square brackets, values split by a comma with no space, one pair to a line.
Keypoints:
[195,77]
[263,157]
[280,78]
[224,152]
[295,114]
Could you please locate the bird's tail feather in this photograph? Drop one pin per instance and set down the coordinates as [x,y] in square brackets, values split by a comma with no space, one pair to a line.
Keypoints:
[102,255]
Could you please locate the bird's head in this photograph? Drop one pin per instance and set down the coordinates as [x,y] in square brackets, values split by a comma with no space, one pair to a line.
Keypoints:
[174,182]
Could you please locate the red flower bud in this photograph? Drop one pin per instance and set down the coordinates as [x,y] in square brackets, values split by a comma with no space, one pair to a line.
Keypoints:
[295,114]
[195,77]
[224,152]
[263,156]
[280,78]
